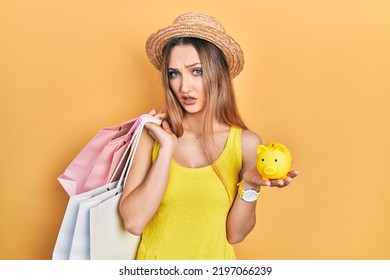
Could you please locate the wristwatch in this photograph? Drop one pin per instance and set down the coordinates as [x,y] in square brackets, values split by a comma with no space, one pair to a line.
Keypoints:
[247,195]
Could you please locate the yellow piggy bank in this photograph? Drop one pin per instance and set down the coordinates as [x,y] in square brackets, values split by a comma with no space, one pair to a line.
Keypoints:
[273,160]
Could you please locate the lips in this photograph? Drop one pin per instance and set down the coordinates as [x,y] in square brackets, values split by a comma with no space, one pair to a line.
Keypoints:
[189,100]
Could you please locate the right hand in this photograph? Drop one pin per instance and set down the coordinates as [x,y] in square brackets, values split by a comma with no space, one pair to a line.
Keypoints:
[162,134]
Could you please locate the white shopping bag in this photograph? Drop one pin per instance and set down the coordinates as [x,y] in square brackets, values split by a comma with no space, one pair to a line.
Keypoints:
[63,244]
[80,249]
[109,238]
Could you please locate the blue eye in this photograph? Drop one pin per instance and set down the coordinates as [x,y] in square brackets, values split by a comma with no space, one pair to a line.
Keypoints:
[197,72]
[173,74]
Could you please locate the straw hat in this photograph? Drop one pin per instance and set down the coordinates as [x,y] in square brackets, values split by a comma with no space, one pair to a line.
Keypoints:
[201,26]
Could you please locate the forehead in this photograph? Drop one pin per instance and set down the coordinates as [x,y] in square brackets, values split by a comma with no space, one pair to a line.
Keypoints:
[183,55]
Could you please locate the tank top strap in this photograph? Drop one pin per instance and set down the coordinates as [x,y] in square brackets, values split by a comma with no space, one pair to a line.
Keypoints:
[234,143]
[232,152]
[230,162]
[156,148]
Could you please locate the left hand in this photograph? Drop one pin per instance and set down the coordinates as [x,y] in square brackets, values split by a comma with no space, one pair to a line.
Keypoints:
[253,177]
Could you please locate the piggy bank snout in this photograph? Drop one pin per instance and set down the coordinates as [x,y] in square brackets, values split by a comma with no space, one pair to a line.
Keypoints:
[269,170]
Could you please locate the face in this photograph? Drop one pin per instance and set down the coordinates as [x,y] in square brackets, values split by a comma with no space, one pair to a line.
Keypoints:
[185,78]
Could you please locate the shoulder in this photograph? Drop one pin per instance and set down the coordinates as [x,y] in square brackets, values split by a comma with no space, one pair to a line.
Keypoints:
[146,139]
[145,145]
[249,142]
[250,138]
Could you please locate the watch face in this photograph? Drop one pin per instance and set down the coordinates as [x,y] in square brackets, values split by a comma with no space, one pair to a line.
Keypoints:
[250,195]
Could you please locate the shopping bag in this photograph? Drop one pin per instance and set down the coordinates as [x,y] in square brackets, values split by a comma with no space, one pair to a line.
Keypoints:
[80,248]
[73,241]
[109,238]
[64,240]
[95,164]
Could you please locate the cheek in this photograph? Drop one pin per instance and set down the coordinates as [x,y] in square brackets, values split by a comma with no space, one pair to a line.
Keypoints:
[200,89]
[172,85]
[175,91]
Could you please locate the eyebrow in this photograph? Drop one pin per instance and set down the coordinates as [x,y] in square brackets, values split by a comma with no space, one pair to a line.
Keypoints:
[187,66]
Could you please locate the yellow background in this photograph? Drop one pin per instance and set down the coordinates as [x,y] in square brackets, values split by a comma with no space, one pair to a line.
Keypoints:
[316,77]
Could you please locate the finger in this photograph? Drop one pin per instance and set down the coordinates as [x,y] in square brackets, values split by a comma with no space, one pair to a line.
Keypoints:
[155,130]
[277,183]
[293,173]
[165,125]
[161,115]
[150,125]
[265,183]
[287,181]
[152,112]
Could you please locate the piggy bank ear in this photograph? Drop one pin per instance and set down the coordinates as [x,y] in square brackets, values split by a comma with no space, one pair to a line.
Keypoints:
[260,149]
[282,148]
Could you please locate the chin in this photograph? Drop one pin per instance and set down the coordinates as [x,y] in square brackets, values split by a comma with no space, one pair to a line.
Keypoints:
[193,110]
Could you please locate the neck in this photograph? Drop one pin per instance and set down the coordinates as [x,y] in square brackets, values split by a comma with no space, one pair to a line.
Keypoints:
[194,122]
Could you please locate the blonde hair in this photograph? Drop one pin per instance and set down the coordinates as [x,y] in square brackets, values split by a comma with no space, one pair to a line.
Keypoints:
[221,103]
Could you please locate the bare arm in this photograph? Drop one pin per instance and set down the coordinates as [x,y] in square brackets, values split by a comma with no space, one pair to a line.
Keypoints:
[242,216]
[146,182]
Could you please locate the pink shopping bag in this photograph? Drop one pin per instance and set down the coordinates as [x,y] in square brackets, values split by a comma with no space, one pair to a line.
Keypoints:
[101,160]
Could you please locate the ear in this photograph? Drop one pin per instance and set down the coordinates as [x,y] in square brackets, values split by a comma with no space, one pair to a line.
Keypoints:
[260,149]
[282,148]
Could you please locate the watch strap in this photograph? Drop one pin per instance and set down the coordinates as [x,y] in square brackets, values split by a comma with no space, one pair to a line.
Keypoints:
[241,191]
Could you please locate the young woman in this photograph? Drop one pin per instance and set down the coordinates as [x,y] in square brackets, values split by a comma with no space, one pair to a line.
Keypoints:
[187,190]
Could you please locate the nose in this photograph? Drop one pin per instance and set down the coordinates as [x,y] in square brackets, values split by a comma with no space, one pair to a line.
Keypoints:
[269,170]
[185,85]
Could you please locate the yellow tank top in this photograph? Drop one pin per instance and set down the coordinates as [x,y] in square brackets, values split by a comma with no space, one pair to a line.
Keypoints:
[190,223]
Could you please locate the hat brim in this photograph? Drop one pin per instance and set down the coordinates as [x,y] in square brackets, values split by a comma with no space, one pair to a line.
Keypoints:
[231,49]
